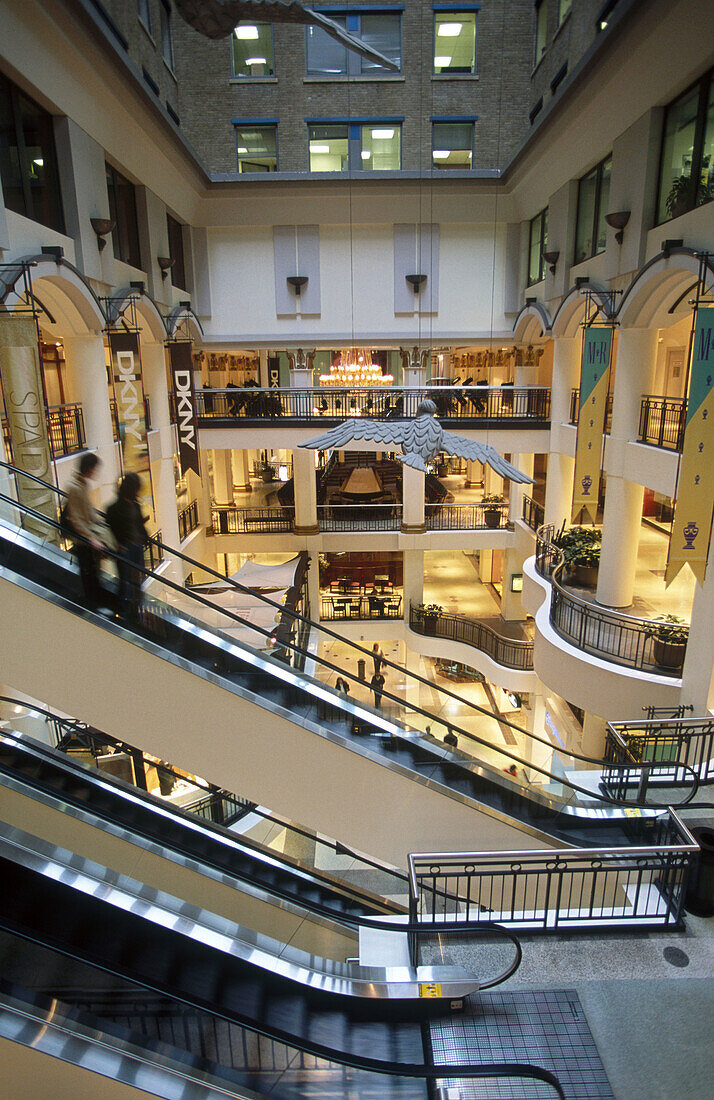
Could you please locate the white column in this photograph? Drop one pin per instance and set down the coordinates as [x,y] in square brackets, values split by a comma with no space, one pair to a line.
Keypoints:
[305,492]
[414,377]
[241,471]
[87,378]
[559,489]
[413,516]
[511,603]
[524,463]
[301,379]
[413,572]
[222,478]
[698,670]
[153,363]
[263,369]
[594,730]
[313,587]
[474,474]
[566,373]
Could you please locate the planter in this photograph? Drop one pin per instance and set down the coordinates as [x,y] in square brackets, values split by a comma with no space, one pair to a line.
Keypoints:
[442,470]
[429,625]
[492,517]
[668,654]
[585,575]
[268,475]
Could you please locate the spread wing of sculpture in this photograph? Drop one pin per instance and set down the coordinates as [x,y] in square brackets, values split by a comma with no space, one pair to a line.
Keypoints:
[420,441]
[218,19]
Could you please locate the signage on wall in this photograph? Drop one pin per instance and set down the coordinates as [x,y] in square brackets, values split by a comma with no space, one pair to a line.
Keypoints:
[131,413]
[274,372]
[181,359]
[692,524]
[594,376]
[27,422]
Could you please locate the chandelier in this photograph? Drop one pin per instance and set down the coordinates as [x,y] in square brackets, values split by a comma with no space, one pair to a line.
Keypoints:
[354,368]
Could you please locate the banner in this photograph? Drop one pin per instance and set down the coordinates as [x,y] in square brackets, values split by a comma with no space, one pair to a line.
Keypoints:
[131,413]
[594,374]
[274,371]
[691,528]
[181,359]
[25,410]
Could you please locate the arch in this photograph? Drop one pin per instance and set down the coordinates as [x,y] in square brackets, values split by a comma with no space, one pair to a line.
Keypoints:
[149,318]
[658,294]
[71,308]
[571,311]
[184,315]
[532,324]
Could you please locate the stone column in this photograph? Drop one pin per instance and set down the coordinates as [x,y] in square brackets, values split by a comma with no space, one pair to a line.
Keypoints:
[222,478]
[413,515]
[263,369]
[301,378]
[566,375]
[241,471]
[305,492]
[87,384]
[559,489]
[698,671]
[518,489]
[622,520]
[474,474]
[511,603]
[413,579]
[594,730]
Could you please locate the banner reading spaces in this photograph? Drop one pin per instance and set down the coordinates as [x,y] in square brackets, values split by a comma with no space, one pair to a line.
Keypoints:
[594,374]
[25,409]
[691,529]
[131,414]
[181,358]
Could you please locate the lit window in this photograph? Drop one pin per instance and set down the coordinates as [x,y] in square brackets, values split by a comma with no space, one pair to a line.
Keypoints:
[327,57]
[593,200]
[256,147]
[252,50]
[454,42]
[452,144]
[355,146]
[541,34]
[28,164]
[686,176]
[381,149]
[167,49]
[537,245]
[329,148]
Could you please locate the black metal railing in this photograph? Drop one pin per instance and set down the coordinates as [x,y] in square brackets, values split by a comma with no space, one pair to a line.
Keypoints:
[466,517]
[7,438]
[574,409]
[662,421]
[251,521]
[334,607]
[674,746]
[188,520]
[569,888]
[220,807]
[610,635]
[359,517]
[510,652]
[154,551]
[533,513]
[502,403]
[65,427]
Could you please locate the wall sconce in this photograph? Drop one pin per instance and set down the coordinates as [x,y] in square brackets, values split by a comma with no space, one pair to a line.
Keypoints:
[102,227]
[416,282]
[516,582]
[618,221]
[165,263]
[297,282]
[551,258]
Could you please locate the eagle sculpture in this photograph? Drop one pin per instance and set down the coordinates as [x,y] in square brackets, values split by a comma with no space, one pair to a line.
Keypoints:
[420,441]
[218,18]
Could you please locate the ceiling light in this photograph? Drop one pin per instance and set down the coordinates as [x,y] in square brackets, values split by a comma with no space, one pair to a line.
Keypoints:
[441,154]
[242,149]
[319,148]
[247,32]
[255,60]
[365,154]
[382,134]
[442,62]
[39,162]
[449,30]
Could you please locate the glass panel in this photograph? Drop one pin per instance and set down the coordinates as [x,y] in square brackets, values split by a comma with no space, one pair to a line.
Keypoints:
[541,30]
[40,164]
[256,147]
[166,45]
[252,50]
[675,187]
[705,191]
[178,271]
[536,247]
[604,205]
[564,7]
[9,153]
[329,148]
[325,55]
[452,144]
[586,217]
[381,147]
[143,10]
[122,211]
[455,42]
[383,33]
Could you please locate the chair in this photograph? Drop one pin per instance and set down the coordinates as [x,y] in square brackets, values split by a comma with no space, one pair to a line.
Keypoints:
[393,607]
[376,607]
[355,608]
[339,609]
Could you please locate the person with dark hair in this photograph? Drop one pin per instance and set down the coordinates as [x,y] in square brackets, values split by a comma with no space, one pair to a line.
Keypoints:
[128,526]
[82,521]
[377,686]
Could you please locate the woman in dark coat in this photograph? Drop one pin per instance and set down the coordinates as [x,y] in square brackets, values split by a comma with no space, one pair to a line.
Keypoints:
[128,526]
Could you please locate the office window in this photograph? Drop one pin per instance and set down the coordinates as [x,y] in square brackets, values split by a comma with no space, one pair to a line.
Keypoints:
[686,176]
[454,42]
[564,7]
[252,50]
[327,57]
[28,162]
[537,245]
[329,148]
[143,10]
[257,148]
[366,147]
[178,271]
[541,32]
[452,144]
[167,49]
[122,211]
[381,148]
[593,199]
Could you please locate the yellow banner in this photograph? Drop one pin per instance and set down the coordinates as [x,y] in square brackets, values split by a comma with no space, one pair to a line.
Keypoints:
[692,525]
[594,374]
[25,410]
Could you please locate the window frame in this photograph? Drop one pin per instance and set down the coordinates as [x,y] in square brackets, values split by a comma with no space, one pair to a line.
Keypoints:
[165,32]
[460,120]
[256,124]
[354,141]
[144,7]
[563,15]
[704,86]
[127,256]
[354,62]
[540,6]
[174,230]
[454,10]
[598,169]
[266,76]
[31,207]
[541,220]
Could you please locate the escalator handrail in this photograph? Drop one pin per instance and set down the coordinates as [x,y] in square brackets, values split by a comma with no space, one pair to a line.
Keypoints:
[339,700]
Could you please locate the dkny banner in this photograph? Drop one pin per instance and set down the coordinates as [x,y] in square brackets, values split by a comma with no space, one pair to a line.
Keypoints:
[181,359]
[692,525]
[594,375]
[274,371]
[25,411]
[131,413]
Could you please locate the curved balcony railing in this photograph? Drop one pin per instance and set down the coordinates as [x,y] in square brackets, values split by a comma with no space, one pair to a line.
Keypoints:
[509,652]
[509,404]
[609,635]
[65,428]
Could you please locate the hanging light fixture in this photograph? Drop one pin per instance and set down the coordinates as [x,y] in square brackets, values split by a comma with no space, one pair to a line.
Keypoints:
[354,368]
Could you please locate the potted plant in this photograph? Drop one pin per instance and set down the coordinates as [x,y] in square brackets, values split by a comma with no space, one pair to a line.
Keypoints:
[669,636]
[581,549]
[429,614]
[267,472]
[492,516]
[679,199]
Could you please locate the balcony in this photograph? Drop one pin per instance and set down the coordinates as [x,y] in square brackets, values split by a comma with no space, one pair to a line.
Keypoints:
[662,419]
[333,518]
[65,428]
[509,652]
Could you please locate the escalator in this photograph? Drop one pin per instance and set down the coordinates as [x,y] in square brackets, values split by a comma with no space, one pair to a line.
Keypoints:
[222,709]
